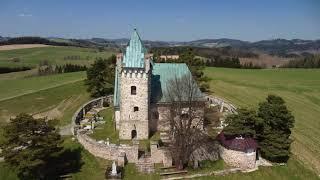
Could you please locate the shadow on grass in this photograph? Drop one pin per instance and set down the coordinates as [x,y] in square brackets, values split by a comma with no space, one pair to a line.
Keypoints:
[65,163]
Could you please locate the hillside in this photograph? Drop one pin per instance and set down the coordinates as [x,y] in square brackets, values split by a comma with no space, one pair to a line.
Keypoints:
[53,54]
[281,47]
[300,88]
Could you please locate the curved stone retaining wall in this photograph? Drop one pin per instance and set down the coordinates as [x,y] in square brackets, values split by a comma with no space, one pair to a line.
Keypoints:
[223,105]
[78,115]
[238,159]
[113,152]
[105,151]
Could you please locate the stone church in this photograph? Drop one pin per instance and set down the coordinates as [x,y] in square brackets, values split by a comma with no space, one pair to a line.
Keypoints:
[139,87]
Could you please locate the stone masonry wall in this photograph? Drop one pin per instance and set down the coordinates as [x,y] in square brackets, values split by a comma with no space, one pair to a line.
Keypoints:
[117,118]
[111,151]
[78,115]
[160,155]
[238,159]
[130,120]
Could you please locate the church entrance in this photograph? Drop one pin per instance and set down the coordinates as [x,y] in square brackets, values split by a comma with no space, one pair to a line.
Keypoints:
[133,134]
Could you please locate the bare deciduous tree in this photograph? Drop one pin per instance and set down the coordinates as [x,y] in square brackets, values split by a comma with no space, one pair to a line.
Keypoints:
[185,117]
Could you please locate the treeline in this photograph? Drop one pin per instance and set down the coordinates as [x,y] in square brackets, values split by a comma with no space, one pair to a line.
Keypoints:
[217,61]
[228,62]
[195,64]
[40,40]
[203,52]
[4,70]
[311,61]
[32,40]
[48,69]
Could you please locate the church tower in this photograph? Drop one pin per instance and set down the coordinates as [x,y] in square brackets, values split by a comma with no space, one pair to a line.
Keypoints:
[133,79]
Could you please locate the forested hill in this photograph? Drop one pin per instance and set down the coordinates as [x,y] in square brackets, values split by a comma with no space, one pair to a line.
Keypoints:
[203,51]
[280,47]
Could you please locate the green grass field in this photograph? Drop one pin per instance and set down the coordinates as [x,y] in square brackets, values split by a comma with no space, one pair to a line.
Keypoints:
[57,95]
[54,55]
[21,86]
[60,95]
[299,87]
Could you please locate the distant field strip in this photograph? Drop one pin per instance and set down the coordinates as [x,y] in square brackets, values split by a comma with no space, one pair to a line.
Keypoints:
[31,57]
[18,87]
[299,87]
[21,46]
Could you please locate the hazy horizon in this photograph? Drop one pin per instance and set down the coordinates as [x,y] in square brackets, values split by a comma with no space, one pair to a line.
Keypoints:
[162,20]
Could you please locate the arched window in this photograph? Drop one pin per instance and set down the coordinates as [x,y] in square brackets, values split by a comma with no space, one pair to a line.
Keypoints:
[133,90]
[133,134]
[136,108]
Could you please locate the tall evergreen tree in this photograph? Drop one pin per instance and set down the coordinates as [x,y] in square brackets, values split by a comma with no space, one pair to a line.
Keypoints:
[274,139]
[244,123]
[100,77]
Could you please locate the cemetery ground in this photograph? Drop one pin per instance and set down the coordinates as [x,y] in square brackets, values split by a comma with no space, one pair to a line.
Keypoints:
[108,130]
[62,94]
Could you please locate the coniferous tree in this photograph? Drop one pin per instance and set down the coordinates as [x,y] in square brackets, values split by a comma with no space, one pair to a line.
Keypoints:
[29,145]
[100,77]
[245,123]
[274,139]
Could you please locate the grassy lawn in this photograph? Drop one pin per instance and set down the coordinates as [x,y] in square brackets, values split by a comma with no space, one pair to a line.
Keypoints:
[7,173]
[131,173]
[54,54]
[92,167]
[208,166]
[292,171]
[299,87]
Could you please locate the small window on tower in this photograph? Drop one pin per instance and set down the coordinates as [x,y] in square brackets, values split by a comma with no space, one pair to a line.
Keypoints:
[133,90]
[136,108]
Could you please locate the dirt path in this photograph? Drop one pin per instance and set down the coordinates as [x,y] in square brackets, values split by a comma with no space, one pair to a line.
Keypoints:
[65,130]
[21,46]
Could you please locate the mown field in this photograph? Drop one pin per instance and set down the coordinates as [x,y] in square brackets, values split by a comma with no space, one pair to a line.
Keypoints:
[55,97]
[299,87]
[31,57]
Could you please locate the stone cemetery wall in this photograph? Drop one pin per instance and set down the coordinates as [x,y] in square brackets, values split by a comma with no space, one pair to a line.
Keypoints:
[79,114]
[224,105]
[108,151]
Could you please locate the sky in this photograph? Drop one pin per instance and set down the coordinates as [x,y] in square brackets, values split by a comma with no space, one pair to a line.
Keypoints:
[167,20]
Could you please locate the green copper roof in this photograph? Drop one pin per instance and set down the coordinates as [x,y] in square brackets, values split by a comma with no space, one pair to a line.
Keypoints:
[162,73]
[134,55]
